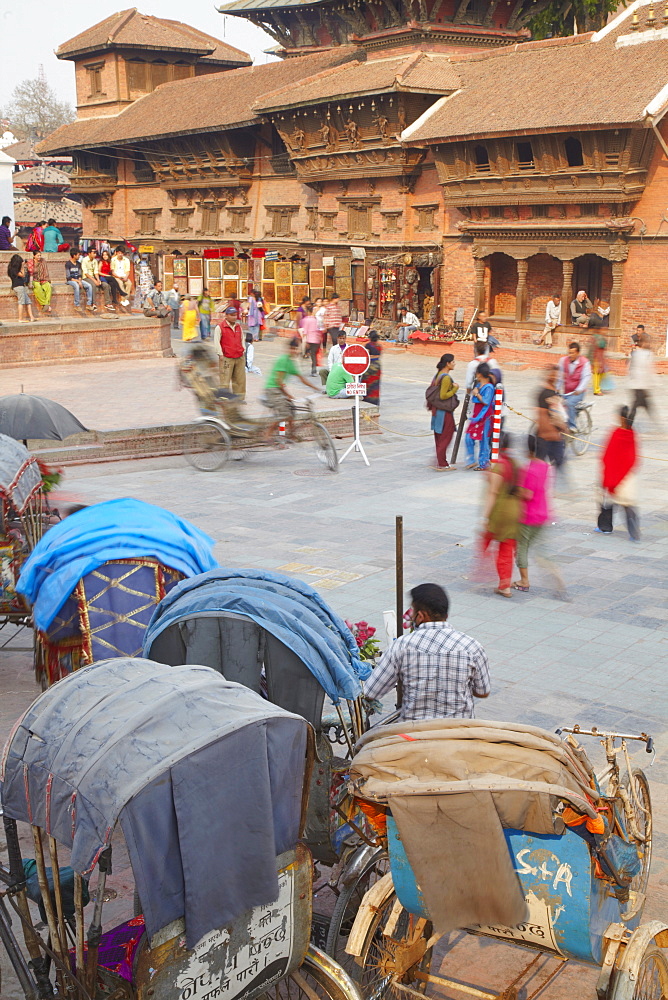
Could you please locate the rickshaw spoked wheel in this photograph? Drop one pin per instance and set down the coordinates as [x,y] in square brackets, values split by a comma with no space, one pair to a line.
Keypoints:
[643,820]
[206,445]
[344,913]
[642,970]
[382,953]
[311,980]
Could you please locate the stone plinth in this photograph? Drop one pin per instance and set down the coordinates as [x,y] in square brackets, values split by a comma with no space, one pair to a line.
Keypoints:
[101,338]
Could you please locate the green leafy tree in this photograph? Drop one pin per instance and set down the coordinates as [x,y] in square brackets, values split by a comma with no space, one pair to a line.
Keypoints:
[562,17]
[34,108]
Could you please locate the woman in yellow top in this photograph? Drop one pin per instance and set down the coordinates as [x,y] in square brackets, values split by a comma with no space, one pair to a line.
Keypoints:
[190,319]
[442,401]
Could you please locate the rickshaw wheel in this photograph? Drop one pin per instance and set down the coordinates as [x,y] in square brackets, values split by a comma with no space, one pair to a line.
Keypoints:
[643,821]
[642,971]
[312,977]
[206,446]
[377,961]
[345,911]
[324,447]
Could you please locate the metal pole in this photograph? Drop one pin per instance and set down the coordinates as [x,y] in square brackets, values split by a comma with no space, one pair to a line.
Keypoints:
[460,429]
[357,444]
[399,559]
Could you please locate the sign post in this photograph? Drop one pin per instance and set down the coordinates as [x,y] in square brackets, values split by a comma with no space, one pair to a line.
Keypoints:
[355,361]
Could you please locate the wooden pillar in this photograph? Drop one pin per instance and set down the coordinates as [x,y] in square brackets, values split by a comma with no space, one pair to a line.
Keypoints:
[479,287]
[616,295]
[521,291]
[566,292]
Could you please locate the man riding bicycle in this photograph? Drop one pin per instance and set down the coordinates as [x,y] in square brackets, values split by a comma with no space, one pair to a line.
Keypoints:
[278,398]
[573,381]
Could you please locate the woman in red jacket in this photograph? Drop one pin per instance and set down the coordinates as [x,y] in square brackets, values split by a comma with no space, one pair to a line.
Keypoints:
[618,477]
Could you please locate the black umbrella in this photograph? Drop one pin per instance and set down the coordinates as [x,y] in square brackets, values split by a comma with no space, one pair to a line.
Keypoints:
[25,416]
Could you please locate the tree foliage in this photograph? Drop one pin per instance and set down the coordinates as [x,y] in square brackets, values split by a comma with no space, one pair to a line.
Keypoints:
[34,108]
[562,17]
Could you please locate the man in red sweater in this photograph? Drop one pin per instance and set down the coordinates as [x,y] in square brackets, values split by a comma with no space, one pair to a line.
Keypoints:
[229,345]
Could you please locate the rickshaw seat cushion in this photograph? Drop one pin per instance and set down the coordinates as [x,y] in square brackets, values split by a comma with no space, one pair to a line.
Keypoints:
[117,948]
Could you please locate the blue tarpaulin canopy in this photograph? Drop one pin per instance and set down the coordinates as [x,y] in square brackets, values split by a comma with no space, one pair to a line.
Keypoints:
[204,775]
[288,609]
[89,538]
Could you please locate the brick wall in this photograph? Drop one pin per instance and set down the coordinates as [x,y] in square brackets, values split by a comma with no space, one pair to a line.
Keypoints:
[503,284]
[544,278]
[457,279]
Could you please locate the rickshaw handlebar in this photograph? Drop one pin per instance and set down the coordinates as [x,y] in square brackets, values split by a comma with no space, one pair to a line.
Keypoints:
[601,734]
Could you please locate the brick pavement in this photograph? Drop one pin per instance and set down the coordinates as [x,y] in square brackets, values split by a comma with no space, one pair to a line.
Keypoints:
[598,659]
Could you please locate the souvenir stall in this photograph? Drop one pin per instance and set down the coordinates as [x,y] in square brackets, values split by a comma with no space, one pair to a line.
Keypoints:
[407,280]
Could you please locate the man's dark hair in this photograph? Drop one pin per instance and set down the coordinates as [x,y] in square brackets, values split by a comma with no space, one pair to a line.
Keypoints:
[52,222]
[333,296]
[373,336]
[74,252]
[341,335]
[295,342]
[479,348]
[574,346]
[6,220]
[432,599]
[556,295]
[640,326]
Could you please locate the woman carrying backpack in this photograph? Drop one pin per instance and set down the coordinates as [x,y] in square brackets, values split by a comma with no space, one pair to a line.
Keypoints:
[441,401]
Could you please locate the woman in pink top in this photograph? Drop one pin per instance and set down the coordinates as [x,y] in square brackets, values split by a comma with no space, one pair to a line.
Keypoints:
[534,485]
[312,336]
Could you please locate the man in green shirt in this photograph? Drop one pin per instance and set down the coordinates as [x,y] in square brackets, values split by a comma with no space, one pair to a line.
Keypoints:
[335,386]
[277,396]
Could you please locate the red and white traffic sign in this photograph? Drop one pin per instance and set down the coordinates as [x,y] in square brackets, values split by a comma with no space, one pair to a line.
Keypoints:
[355,359]
[355,388]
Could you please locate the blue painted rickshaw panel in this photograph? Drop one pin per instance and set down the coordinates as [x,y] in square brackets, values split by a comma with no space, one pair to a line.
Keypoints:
[570,908]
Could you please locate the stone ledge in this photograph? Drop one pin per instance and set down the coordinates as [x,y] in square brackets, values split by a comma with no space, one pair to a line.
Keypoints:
[155,442]
[99,338]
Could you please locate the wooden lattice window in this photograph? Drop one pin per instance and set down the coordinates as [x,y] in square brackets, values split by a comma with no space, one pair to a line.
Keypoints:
[481,157]
[210,220]
[95,79]
[280,218]
[137,75]
[238,219]
[328,221]
[525,159]
[614,144]
[161,72]
[147,220]
[392,221]
[181,219]
[102,218]
[359,220]
[425,217]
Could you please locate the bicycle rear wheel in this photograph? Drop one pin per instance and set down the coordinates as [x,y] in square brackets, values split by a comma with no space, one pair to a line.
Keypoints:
[206,445]
[583,429]
[324,447]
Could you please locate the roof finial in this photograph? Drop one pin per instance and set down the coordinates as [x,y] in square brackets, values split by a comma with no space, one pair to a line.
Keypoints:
[665,13]
[634,22]
[650,16]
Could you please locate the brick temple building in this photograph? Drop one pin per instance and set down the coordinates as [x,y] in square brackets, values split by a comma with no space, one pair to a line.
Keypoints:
[404,151]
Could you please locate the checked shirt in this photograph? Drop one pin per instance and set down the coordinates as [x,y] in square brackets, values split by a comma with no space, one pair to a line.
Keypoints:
[440,670]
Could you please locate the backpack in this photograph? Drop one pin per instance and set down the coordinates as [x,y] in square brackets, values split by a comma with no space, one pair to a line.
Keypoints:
[433,396]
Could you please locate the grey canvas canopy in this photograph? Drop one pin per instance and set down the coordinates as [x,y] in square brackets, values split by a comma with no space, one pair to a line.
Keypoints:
[243,621]
[20,478]
[204,776]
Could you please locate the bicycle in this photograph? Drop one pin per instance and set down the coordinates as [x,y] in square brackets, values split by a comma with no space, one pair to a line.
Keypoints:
[633,819]
[584,425]
[208,444]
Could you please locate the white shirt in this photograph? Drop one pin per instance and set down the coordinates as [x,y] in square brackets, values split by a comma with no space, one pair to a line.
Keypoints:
[320,317]
[641,369]
[553,313]
[334,356]
[120,267]
[410,319]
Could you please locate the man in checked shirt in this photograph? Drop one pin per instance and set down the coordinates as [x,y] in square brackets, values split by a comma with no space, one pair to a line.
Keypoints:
[440,670]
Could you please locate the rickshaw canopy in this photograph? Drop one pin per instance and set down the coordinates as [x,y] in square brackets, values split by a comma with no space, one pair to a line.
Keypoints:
[20,478]
[205,777]
[453,787]
[288,609]
[115,529]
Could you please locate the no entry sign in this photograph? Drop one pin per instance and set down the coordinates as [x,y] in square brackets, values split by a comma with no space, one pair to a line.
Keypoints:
[355,359]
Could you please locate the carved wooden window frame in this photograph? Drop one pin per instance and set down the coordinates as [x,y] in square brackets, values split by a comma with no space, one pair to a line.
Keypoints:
[238,219]
[391,221]
[280,219]
[147,221]
[210,219]
[426,218]
[181,219]
[94,71]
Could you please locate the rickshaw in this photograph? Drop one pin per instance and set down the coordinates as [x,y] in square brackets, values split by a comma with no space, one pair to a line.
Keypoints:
[506,832]
[190,790]
[23,517]
[276,635]
[95,579]
[208,442]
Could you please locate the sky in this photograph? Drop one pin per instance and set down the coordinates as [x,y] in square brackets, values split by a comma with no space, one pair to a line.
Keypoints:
[32,29]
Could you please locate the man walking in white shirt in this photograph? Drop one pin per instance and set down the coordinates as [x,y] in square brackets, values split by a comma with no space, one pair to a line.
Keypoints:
[120,268]
[642,379]
[552,320]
